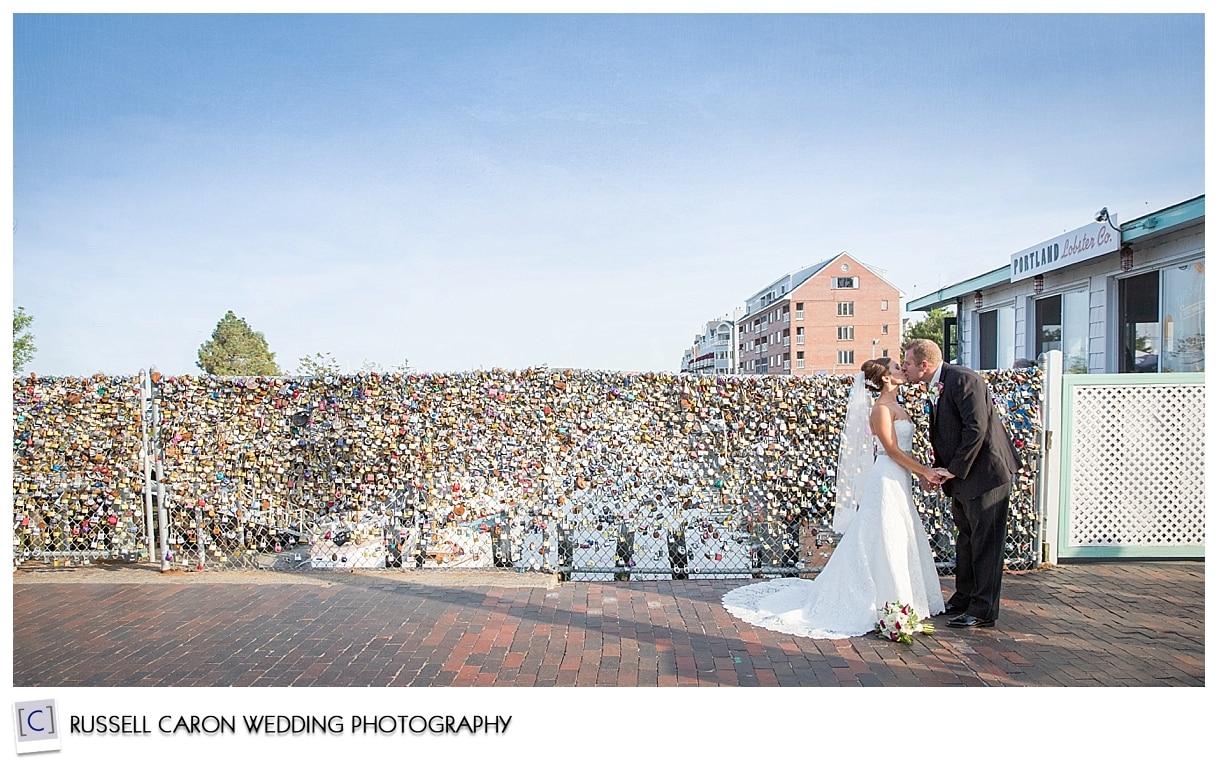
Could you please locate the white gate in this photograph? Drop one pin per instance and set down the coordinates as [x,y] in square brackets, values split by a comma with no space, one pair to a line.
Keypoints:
[1131,454]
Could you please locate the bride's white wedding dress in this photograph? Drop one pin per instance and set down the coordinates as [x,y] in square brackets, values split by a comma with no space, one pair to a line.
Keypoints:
[884,556]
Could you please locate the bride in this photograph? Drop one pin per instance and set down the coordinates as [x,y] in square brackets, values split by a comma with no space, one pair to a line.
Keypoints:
[884,554]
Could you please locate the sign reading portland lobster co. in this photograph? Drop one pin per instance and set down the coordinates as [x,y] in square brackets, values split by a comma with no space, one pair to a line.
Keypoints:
[1069,248]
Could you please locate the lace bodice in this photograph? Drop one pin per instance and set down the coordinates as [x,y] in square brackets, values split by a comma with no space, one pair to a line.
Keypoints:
[904,430]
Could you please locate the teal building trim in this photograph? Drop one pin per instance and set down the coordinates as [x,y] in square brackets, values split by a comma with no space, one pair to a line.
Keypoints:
[1155,223]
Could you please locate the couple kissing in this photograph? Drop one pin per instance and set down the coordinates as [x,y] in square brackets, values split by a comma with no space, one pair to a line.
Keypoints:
[884,553]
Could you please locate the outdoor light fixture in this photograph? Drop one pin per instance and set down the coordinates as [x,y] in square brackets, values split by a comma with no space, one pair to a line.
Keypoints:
[1126,258]
[1038,284]
[1102,216]
[977,300]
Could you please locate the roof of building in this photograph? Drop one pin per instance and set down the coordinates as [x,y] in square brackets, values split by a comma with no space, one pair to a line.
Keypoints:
[802,275]
[798,277]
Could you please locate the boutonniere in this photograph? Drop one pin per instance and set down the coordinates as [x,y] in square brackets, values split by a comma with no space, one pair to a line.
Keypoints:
[935,391]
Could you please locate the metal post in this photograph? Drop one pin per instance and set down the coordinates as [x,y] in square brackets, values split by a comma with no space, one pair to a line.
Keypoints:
[162,514]
[145,450]
[199,536]
[1049,480]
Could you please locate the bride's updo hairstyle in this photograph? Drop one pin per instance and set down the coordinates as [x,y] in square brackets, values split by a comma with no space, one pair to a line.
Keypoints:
[874,373]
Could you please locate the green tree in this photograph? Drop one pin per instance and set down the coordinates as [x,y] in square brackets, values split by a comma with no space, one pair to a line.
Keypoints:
[930,326]
[318,364]
[23,339]
[236,349]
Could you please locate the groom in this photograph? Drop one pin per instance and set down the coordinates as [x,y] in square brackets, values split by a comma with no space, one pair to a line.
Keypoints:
[969,441]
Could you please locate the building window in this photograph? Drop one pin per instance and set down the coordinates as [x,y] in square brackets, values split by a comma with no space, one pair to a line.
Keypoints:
[884,305]
[1162,320]
[996,339]
[884,353]
[845,309]
[884,330]
[1061,324]
[845,357]
[799,310]
[799,360]
[845,332]
[845,282]
[799,336]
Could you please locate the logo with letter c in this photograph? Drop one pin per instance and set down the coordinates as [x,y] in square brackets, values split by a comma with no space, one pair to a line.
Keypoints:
[35,725]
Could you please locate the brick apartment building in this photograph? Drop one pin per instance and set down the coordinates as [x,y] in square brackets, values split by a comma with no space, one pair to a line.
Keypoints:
[829,317]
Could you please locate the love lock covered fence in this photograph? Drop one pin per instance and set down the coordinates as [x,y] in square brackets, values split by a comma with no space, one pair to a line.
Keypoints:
[78,480]
[587,474]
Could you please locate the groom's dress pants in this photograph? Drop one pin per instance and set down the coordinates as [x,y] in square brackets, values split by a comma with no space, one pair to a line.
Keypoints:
[981,540]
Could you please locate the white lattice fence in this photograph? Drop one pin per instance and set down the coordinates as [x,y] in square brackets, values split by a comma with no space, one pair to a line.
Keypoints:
[1134,466]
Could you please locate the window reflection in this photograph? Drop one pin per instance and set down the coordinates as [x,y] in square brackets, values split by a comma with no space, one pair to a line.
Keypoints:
[996,344]
[1062,324]
[1163,320]
[1184,318]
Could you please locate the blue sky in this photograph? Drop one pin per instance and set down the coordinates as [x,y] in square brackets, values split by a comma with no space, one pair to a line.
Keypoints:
[584,191]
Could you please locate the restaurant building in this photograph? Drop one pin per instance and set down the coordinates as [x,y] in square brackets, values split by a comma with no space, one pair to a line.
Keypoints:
[1113,298]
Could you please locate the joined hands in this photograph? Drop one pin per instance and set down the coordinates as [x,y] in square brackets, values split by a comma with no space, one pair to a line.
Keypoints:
[934,478]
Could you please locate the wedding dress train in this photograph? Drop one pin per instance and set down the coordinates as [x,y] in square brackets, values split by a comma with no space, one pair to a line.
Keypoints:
[884,556]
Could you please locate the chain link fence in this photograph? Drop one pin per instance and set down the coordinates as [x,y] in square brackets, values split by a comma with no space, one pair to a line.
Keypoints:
[78,480]
[590,475]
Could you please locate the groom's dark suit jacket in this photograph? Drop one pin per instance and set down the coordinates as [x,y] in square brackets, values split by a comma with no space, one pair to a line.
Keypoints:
[968,436]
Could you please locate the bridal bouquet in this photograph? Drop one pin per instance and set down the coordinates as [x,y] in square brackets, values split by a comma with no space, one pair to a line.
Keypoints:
[899,623]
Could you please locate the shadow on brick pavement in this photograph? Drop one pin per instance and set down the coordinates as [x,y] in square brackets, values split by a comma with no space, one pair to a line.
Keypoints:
[1091,624]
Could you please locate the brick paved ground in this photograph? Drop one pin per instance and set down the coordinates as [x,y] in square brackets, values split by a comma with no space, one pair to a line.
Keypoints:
[1130,623]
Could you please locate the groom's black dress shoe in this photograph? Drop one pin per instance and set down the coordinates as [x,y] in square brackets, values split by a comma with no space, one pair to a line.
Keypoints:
[969,622]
